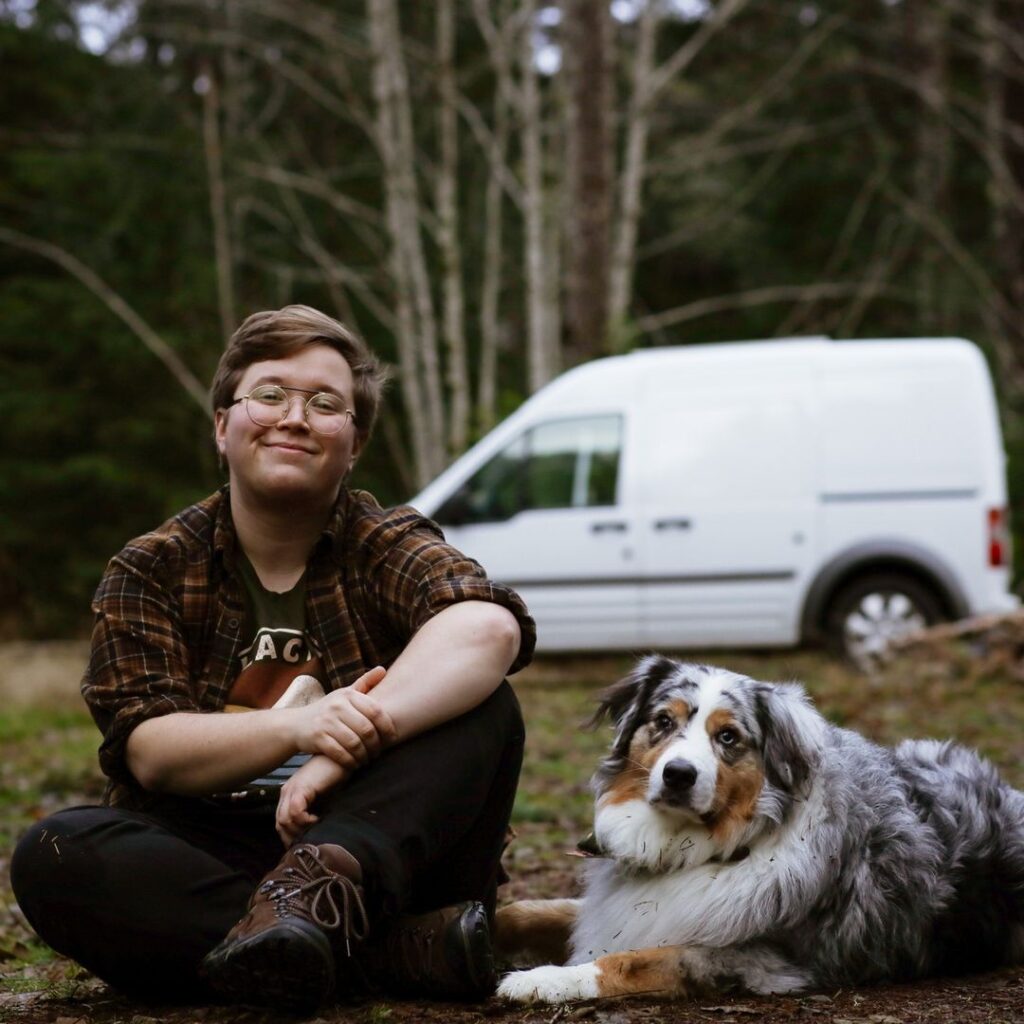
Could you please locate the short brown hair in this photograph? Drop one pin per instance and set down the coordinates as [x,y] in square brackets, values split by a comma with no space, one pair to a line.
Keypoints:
[277,333]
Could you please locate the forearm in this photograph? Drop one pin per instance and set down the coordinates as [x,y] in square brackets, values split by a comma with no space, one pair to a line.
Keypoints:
[202,753]
[195,754]
[453,663]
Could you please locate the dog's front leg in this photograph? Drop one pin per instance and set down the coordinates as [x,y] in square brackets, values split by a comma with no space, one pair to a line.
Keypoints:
[656,971]
[538,930]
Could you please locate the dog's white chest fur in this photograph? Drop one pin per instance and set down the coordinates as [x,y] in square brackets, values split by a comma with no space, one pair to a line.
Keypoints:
[710,904]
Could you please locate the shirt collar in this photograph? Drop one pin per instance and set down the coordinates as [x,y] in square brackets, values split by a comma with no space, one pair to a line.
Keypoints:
[335,528]
[224,538]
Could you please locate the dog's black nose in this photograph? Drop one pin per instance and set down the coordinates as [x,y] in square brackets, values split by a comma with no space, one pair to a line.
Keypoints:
[679,775]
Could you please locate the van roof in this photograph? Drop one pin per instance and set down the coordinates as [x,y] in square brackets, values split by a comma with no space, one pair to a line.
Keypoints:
[810,344]
[784,349]
[615,372]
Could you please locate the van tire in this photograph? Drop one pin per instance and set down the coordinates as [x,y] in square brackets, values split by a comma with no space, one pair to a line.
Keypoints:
[869,611]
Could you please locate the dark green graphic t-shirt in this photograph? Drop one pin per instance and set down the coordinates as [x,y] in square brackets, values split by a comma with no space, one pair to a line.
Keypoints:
[281,666]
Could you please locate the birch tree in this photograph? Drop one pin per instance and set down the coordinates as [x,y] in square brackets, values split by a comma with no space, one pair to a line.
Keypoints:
[449,241]
[588,69]
[419,365]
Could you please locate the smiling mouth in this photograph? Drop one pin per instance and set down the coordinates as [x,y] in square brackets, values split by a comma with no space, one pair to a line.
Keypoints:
[291,448]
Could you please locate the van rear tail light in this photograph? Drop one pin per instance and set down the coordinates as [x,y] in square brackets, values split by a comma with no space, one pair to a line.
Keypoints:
[998,537]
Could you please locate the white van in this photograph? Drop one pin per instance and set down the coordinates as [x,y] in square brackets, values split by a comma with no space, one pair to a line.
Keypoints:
[744,494]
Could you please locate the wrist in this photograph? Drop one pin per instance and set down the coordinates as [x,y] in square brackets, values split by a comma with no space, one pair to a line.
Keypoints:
[288,723]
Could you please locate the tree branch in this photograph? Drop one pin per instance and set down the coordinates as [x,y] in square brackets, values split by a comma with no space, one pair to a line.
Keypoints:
[117,305]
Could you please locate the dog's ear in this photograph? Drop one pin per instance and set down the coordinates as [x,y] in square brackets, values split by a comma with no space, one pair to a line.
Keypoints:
[792,734]
[624,702]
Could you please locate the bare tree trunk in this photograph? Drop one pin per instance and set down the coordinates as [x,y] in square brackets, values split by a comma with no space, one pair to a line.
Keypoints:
[648,82]
[418,349]
[928,24]
[218,202]
[539,366]
[631,179]
[497,37]
[487,393]
[411,384]
[1006,166]
[448,231]
[235,78]
[587,63]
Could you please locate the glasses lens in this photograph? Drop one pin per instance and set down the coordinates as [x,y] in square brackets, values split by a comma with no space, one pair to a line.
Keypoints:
[266,404]
[326,413]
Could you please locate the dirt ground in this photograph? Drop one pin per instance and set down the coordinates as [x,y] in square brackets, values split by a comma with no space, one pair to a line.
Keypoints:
[996,998]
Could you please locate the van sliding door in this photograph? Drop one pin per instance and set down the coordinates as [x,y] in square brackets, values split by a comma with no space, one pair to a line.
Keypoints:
[726,522]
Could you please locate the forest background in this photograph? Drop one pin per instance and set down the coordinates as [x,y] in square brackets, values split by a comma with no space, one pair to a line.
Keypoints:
[490,191]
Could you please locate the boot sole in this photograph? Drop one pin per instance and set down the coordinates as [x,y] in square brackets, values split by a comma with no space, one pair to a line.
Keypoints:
[289,966]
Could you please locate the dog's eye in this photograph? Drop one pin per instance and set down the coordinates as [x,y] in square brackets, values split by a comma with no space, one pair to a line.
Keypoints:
[663,721]
[728,737]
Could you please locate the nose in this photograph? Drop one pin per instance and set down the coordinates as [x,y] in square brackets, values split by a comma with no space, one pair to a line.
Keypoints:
[295,413]
[679,775]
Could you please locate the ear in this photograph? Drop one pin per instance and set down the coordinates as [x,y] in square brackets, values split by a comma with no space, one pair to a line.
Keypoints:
[220,419]
[357,450]
[792,735]
[624,701]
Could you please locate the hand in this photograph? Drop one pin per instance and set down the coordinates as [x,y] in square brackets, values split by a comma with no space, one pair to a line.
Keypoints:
[293,814]
[346,725]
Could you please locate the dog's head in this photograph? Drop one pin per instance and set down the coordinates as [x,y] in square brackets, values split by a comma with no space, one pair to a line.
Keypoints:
[702,753]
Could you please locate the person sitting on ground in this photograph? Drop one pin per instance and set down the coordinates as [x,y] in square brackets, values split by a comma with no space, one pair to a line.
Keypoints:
[381,743]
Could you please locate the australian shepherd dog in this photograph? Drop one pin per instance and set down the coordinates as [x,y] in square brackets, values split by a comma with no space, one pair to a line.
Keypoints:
[745,843]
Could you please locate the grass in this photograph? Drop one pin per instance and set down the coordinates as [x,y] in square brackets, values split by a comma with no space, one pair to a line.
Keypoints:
[50,762]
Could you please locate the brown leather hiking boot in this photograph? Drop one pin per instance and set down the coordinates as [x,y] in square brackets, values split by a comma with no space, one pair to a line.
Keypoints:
[445,954]
[281,953]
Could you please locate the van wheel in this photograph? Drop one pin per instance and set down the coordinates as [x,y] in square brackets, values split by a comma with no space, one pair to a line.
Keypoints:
[869,613]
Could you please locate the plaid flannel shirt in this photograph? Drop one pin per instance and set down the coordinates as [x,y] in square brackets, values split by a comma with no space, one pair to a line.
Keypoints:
[170,610]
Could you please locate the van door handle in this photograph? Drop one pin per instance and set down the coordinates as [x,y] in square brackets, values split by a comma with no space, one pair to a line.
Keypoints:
[672,524]
[612,527]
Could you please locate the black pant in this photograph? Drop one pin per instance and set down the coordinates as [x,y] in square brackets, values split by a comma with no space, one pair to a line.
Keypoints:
[140,898]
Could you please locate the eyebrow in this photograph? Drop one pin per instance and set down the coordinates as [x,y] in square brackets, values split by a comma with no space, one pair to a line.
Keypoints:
[273,378]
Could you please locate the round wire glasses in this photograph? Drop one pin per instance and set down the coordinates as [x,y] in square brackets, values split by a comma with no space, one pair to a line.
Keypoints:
[268,404]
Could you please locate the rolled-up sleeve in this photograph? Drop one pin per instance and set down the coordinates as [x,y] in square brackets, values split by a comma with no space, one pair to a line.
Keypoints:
[414,574]
[138,665]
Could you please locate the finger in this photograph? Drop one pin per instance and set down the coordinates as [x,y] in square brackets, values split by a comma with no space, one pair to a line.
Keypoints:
[378,718]
[285,809]
[329,746]
[361,728]
[292,817]
[368,680]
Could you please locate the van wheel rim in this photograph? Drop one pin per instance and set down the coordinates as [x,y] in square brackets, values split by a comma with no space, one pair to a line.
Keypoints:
[875,622]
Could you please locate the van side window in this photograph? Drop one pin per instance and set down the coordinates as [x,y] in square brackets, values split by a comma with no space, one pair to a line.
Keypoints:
[568,463]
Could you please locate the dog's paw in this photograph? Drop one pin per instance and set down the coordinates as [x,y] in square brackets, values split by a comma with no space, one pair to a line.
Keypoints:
[550,984]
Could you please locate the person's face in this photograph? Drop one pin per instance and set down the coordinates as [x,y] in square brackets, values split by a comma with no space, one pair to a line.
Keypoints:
[289,460]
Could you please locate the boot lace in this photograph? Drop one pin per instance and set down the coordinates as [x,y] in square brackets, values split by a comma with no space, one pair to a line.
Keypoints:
[308,888]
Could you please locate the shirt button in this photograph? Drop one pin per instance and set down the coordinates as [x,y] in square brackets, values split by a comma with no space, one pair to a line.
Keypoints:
[233,623]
